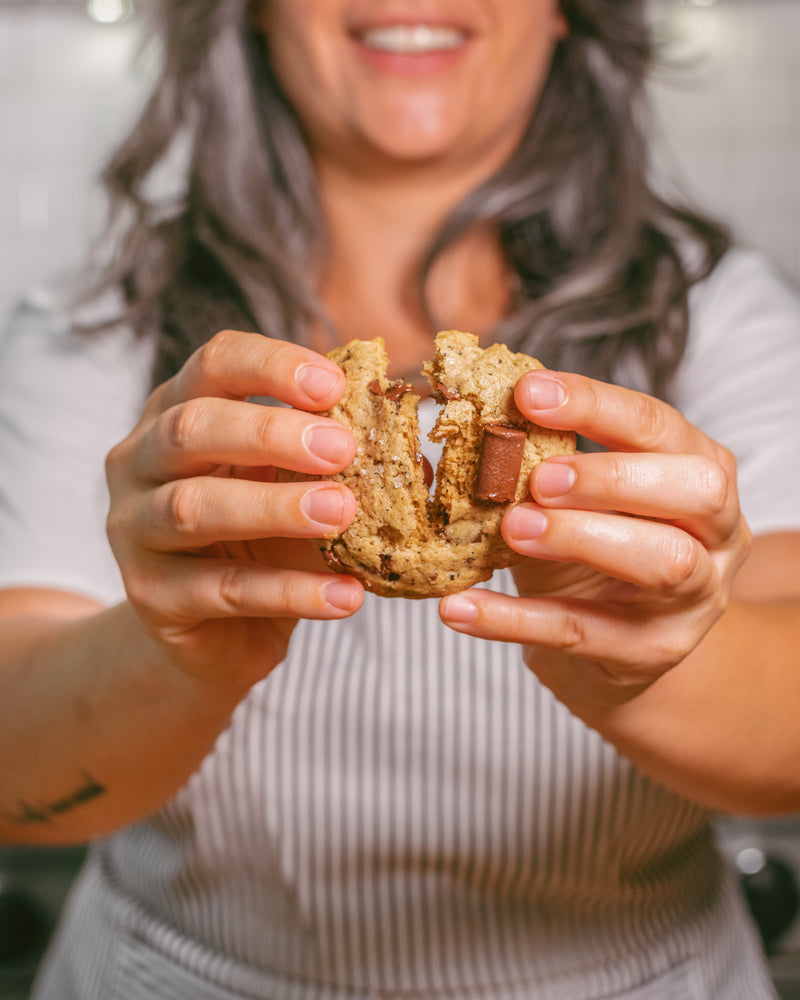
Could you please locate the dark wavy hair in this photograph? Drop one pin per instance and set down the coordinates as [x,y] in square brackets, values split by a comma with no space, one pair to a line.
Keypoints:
[604,263]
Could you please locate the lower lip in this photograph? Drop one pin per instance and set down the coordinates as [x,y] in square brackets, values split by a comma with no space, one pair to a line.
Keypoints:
[410,64]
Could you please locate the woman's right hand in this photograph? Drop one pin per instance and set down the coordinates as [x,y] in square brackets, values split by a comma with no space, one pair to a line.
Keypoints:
[207,541]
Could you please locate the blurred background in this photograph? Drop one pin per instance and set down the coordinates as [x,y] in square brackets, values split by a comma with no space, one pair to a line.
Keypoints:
[71,80]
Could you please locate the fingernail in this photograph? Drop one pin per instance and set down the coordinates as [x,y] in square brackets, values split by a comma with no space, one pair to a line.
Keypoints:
[316,382]
[525,523]
[330,442]
[341,595]
[458,608]
[326,506]
[543,391]
[554,479]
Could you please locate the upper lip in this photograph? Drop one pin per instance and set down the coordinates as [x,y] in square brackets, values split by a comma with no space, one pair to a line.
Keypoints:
[394,22]
[406,15]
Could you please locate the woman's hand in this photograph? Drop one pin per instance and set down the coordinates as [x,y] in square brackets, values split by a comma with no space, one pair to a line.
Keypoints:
[204,536]
[632,552]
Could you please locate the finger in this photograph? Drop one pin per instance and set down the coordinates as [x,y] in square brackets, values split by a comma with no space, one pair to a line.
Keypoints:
[692,491]
[194,437]
[197,588]
[238,365]
[654,556]
[617,418]
[194,513]
[625,639]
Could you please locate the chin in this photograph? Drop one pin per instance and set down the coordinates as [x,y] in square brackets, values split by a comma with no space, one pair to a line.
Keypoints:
[413,113]
[414,152]
[413,139]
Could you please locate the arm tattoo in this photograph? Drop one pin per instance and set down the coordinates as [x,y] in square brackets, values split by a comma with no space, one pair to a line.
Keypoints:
[27,813]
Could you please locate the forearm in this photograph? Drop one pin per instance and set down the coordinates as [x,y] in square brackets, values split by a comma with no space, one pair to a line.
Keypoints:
[721,727]
[97,729]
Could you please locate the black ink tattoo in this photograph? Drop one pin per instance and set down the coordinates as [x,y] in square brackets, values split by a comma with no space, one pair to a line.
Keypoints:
[44,812]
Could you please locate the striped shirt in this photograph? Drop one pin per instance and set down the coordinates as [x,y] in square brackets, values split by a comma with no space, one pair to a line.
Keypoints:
[390,822]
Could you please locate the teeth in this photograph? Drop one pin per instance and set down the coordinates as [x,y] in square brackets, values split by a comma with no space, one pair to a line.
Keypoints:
[412,38]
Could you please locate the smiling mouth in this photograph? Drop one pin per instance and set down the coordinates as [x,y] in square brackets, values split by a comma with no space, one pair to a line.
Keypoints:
[412,39]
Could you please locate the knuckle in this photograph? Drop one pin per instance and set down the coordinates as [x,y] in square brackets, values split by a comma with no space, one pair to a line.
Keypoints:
[717,602]
[288,596]
[726,459]
[183,507]
[232,588]
[743,539]
[113,472]
[667,648]
[571,632]
[677,569]
[715,490]
[650,419]
[584,391]
[139,590]
[209,358]
[115,527]
[279,350]
[184,424]
[266,426]
[143,588]
[115,462]
[621,473]
[618,680]
[121,507]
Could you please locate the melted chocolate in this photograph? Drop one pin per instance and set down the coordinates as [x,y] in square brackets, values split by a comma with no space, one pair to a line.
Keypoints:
[442,393]
[333,561]
[427,470]
[395,391]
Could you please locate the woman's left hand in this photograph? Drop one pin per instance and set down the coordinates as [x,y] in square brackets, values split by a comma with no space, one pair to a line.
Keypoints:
[632,551]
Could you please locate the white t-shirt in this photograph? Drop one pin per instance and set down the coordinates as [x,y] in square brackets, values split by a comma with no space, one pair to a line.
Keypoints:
[397,810]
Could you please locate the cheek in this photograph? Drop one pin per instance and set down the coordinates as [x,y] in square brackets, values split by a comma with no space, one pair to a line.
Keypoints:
[300,61]
[532,30]
[293,29]
[527,60]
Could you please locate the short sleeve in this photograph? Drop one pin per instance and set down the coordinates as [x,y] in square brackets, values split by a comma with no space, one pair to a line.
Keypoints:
[740,382]
[65,399]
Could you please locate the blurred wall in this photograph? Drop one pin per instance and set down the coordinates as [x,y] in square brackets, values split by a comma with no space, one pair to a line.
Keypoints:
[730,116]
[69,86]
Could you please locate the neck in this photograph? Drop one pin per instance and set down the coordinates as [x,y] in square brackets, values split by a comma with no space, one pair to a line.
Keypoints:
[379,229]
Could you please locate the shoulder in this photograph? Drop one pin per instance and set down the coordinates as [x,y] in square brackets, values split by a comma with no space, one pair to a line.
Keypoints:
[51,314]
[66,398]
[744,316]
[747,290]
[48,344]
[66,393]
[738,380]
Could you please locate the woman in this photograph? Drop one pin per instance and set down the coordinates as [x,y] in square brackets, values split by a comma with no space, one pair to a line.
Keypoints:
[294,791]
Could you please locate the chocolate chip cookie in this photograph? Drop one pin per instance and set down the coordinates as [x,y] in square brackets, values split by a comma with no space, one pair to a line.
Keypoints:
[405,542]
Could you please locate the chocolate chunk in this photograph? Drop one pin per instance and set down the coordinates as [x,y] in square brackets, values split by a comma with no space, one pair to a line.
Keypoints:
[499,463]
[395,391]
[386,570]
[446,393]
[427,469]
[333,561]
